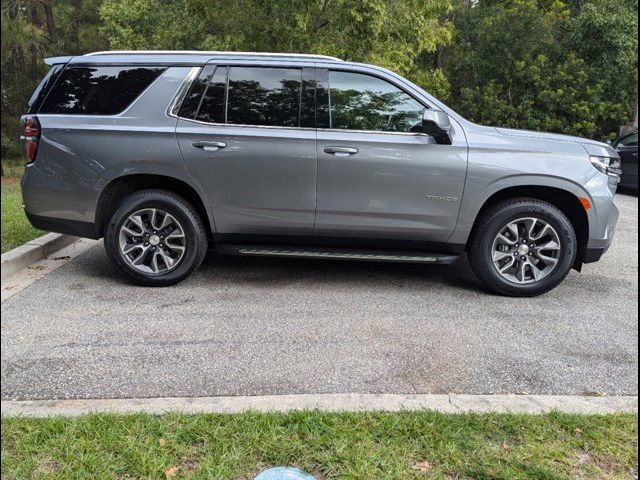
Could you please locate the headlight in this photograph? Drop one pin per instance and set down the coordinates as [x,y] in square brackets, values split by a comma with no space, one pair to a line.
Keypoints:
[610,166]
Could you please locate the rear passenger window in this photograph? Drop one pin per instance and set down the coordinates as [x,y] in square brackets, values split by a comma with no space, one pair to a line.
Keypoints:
[264,96]
[98,90]
[212,105]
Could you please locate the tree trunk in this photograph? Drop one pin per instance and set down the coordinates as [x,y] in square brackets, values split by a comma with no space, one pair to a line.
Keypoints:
[50,21]
[438,61]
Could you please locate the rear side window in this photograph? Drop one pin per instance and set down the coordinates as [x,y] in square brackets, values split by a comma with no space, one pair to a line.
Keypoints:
[264,96]
[98,90]
[41,92]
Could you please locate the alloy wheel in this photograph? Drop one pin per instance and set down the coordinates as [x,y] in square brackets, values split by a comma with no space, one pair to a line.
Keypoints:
[526,250]
[152,241]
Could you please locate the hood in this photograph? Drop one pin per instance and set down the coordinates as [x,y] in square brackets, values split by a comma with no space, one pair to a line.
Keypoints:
[592,147]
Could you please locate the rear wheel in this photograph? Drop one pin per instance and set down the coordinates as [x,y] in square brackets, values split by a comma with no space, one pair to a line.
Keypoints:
[522,247]
[156,238]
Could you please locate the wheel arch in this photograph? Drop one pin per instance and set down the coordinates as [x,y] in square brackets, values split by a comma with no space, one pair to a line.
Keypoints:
[111,195]
[564,200]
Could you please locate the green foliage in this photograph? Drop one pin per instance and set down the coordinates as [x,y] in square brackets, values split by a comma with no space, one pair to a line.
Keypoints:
[391,33]
[527,64]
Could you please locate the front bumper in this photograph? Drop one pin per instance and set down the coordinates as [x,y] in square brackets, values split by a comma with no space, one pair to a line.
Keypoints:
[603,217]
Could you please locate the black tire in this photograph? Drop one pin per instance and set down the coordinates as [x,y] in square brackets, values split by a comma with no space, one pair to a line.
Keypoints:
[195,236]
[480,248]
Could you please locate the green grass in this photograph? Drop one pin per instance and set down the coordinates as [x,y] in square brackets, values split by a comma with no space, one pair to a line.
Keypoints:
[346,446]
[16,229]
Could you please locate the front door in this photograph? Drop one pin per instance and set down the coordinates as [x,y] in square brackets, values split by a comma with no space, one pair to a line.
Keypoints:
[379,176]
[247,142]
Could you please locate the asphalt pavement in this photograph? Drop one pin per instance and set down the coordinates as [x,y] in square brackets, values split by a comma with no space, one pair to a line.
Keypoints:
[261,326]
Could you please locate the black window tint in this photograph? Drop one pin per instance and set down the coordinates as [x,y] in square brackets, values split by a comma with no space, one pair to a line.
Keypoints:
[212,105]
[308,98]
[264,96]
[191,101]
[98,90]
[41,92]
[363,102]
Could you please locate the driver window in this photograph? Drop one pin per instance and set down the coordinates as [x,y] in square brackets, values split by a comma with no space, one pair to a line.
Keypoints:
[362,102]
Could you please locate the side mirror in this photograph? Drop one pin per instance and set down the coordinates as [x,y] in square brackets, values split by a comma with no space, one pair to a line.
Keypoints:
[437,124]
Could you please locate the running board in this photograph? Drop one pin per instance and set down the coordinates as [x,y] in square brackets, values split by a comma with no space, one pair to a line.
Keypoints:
[337,254]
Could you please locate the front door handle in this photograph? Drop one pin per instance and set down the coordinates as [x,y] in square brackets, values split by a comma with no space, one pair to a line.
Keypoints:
[209,146]
[341,151]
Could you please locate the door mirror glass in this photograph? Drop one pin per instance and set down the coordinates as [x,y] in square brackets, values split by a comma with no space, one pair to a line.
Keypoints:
[437,124]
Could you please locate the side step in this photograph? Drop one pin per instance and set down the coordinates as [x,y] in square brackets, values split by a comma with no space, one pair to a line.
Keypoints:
[337,253]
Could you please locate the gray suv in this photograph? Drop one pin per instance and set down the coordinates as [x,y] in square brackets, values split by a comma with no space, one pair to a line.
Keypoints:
[170,154]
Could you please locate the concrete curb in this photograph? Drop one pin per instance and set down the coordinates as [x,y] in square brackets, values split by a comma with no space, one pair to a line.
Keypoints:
[25,255]
[454,403]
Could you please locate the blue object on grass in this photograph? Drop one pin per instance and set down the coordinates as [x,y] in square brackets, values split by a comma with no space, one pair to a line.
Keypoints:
[284,473]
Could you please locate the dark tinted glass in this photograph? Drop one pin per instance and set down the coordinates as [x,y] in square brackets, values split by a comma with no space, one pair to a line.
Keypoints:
[363,102]
[308,103]
[212,105]
[41,92]
[191,101]
[98,90]
[264,96]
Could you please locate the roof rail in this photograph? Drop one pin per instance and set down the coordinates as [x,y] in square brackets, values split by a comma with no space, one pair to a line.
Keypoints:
[204,52]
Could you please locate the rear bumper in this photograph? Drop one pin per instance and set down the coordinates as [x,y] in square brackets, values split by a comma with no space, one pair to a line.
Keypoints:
[59,225]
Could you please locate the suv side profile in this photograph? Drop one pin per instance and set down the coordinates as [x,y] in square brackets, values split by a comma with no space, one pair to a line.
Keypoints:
[169,154]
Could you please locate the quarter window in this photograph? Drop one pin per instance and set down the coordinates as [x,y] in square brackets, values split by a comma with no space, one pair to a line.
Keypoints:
[264,96]
[362,102]
[98,90]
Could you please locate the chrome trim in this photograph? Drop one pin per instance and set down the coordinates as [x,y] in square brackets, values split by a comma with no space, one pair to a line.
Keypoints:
[211,52]
[377,132]
[174,105]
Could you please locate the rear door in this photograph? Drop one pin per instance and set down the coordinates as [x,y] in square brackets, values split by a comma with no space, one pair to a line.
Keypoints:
[379,175]
[247,137]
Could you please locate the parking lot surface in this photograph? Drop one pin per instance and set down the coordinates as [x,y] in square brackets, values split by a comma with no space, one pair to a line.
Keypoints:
[259,326]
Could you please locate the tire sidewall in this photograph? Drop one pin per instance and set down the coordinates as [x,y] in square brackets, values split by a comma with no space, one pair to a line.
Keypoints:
[180,210]
[544,212]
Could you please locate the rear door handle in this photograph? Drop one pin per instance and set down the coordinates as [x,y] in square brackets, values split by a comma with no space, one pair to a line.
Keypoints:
[209,146]
[341,151]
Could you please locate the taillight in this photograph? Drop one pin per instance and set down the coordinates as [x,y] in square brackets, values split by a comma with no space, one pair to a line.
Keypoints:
[31,137]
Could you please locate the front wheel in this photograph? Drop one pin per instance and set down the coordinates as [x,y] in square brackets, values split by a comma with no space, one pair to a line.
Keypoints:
[156,238]
[522,247]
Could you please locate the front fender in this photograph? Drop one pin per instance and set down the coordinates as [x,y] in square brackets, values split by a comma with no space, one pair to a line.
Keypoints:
[476,197]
